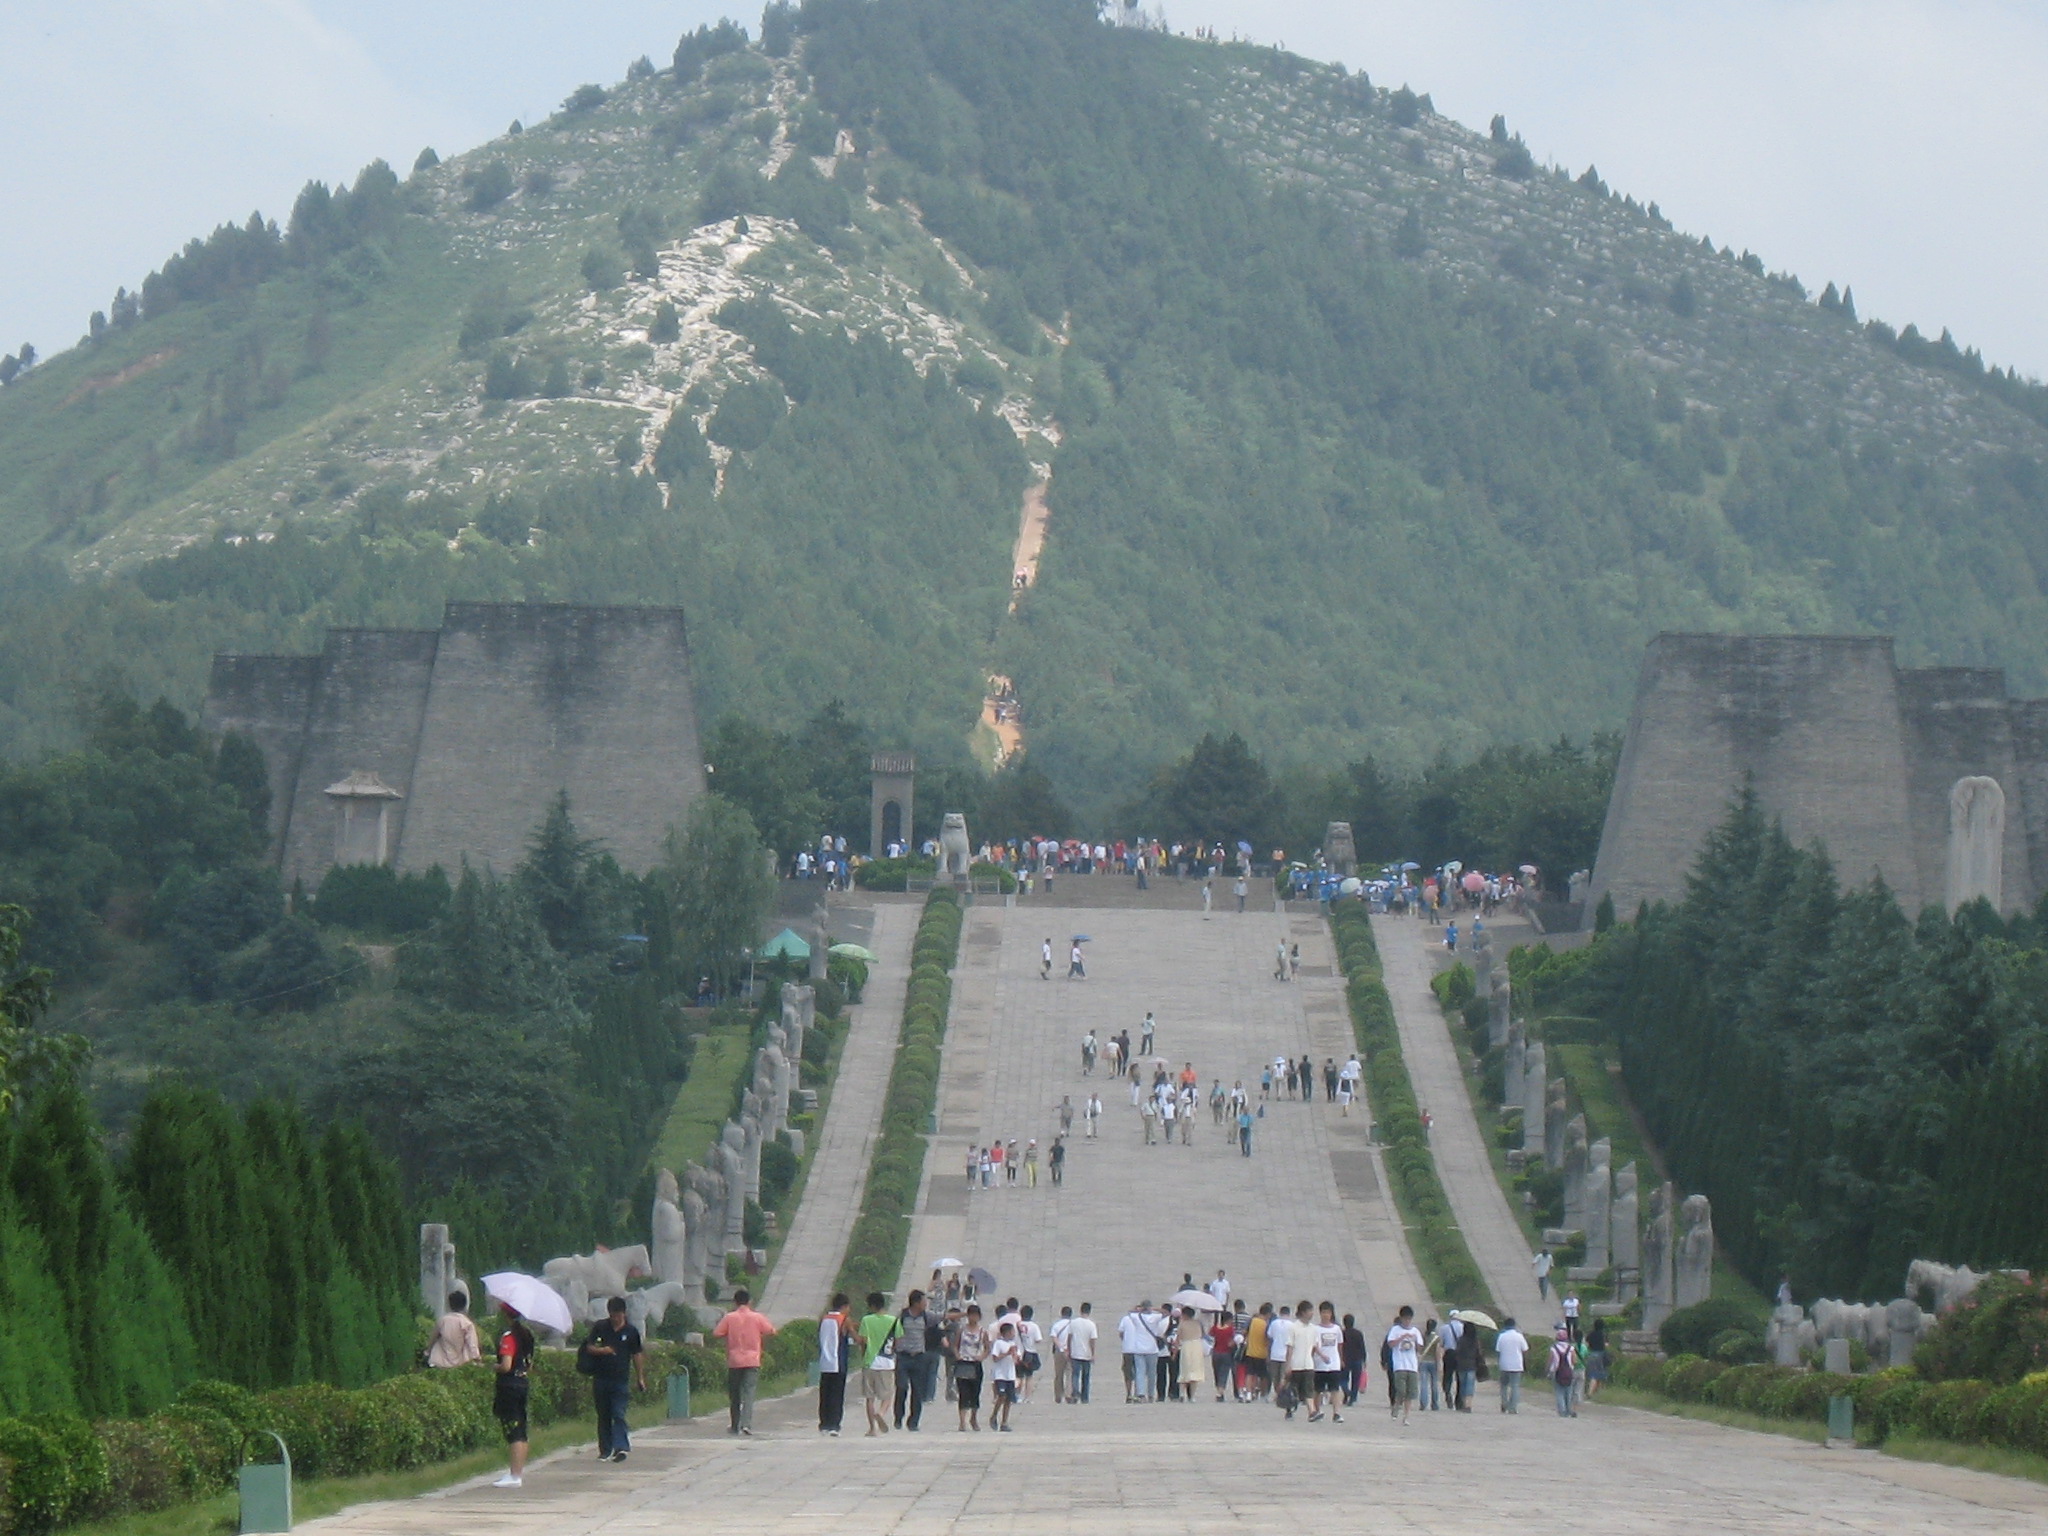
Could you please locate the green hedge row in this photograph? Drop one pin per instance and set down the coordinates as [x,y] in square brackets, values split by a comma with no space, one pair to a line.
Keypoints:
[56,1470]
[1440,1252]
[874,1252]
[1966,1412]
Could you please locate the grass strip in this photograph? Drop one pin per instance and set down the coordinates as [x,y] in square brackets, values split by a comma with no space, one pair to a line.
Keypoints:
[874,1250]
[705,1098]
[1441,1255]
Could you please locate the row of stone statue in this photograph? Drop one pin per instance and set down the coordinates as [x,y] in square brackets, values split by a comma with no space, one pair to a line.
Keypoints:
[1889,1331]
[1666,1257]
[697,1220]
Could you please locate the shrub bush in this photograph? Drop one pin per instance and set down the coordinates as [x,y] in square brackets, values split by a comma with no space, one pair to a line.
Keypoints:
[1999,1334]
[1697,1329]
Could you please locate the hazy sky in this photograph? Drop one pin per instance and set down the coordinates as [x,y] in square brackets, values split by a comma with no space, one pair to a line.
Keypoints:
[1899,145]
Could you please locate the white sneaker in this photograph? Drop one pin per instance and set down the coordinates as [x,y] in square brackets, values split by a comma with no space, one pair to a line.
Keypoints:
[509,1481]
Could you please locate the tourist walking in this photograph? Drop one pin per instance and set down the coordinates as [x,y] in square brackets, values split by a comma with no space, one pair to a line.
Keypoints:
[1280,961]
[1005,1361]
[1194,1367]
[970,1349]
[1206,898]
[1045,959]
[612,1357]
[1596,1358]
[744,1332]
[879,1333]
[1223,1342]
[1238,890]
[1140,1347]
[1354,1360]
[1092,1113]
[1432,1358]
[1244,1131]
[1511,1350]
[1074,968]
[1031,1164]
[1056,1159]
[1081,1340]
[1328,1364]
[1146,1031]
[835,1355]
[1543,1263]
[1571,1316]
[917,1362]
[511,1393]
[1062,1362]
[455,1341]
[1088,1054]
[1562,1374]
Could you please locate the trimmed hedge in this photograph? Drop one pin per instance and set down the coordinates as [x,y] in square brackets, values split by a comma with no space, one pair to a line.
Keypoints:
[56,1470]
[1440,1252]
[1966,1412]
[874,1251]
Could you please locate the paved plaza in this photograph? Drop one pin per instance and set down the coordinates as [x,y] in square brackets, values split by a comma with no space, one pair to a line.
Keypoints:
[1111,1470]
[1306,1216]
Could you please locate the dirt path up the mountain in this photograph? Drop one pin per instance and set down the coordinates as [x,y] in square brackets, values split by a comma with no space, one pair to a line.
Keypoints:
[1001,711]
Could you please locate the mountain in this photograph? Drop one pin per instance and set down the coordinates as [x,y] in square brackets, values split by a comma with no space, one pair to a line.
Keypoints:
[1360,431]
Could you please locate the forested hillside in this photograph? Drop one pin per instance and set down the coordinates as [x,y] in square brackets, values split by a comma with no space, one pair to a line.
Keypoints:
[1366,433]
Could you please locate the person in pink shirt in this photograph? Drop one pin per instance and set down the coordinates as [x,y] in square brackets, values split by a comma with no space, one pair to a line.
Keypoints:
[744,1331]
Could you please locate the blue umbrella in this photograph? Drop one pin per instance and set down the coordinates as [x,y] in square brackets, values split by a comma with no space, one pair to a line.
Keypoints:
[1244,847]
[1082,938]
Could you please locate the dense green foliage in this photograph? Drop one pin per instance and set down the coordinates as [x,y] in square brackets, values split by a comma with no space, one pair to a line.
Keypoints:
[1445,1262]
[1852,1088]
[874,1251]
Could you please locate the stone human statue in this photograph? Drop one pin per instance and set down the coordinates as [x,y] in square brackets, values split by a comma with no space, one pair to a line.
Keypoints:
[1497,1008]
[1976,841]
[955,856]
[670,1232]
[732,1142]
[1788,1335]
[703,1193]
[1575,1163]
[1905,1326]
[821,942]
[1695,1260]
[1659,1243]
[795,1016]
[771,1087]
[1516,1062]
[1598,1202]
[1555,1112]
[1340,854]
[1625,1225]
[437,1267]
[1535,1089]
[752,1131]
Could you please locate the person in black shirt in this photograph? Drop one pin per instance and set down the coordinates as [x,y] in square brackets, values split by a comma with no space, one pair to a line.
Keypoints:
[508,1400]
[614,1352]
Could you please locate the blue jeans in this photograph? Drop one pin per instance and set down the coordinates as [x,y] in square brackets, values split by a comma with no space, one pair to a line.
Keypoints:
[1510,1391]
[1084,1371]
[612,1398]
[1468,1384]
[1432,1394]
[1563,1389]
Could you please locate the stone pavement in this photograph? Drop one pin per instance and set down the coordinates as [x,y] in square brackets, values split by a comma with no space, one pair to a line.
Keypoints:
[1463,1161]
[800,1284]
[1112,1470]
[1305,1216]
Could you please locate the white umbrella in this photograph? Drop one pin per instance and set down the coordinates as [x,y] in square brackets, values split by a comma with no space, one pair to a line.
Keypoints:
[1475,1317]
[948,1264]
[534,1300]
[1201,1301]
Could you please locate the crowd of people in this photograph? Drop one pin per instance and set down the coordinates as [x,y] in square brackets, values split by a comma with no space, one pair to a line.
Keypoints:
[986,1358]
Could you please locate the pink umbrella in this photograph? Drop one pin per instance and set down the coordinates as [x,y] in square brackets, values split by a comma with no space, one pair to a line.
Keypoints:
[1474,881]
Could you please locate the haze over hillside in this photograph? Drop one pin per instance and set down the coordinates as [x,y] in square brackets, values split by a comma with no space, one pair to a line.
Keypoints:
[1364,432]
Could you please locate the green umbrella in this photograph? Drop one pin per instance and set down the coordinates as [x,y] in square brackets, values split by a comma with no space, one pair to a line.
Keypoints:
[853,952]
[786,943]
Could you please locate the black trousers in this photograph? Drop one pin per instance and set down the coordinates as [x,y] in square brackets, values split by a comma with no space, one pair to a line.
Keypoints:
[831,1398]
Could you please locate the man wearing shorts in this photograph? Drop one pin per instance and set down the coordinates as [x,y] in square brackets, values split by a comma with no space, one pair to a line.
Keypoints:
[509,1400]
[1329,1364]
[1301,1354]
[1404,1343]
[879,1331]
[1005,1359]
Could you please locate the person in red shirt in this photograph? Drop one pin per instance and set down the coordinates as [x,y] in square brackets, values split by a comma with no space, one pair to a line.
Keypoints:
[509,1400]
[744,1331]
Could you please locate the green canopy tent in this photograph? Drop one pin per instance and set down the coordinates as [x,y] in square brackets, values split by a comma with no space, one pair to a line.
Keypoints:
[786,945]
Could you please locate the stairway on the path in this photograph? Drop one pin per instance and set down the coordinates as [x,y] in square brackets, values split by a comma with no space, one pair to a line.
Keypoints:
[1164,893]
[1463,1160]
[801,1281]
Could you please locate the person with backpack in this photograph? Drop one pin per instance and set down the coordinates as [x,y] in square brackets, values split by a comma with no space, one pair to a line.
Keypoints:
[835,1356]
[611,1356]
[1563,1371]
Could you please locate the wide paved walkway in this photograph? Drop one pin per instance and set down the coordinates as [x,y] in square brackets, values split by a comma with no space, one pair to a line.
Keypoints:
[1463,1161]
[1305,1216]
[801,1282]
[1111,1470]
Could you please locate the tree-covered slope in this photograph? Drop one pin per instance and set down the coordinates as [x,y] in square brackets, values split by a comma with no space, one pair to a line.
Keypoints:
[1365,432]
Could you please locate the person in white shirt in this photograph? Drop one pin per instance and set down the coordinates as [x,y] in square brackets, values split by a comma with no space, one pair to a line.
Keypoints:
[1543,1263]
[1029,1339]
[1140,1346]
[1512,1348]
[1277,1329]
[1301,1356]
[1220,1289]
[1080,1347]
[1005,1354]
[1571,1317]
[1092,1112]
[1404,1344]
[1328,1364]
[1062,1367]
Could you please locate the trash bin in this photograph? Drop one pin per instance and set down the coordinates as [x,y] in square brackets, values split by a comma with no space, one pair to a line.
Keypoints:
[679,1393]
[1842,1420]
[265,1487]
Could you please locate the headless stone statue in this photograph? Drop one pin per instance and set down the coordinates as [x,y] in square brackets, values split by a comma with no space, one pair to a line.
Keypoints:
[1340,853]
[1906,1325]
[703,1193]
[1513,1065]
[1599,1198]
[1574,1164]
[954,854]
[1535,1098]
[1625,1226]
[1497,1009]
[1788,1335]
[670,1246]
[1554,1119]
[1659,1259]
[771,1088]
[732,1143]
[796,1016]
[1695,1262]
[437,1267]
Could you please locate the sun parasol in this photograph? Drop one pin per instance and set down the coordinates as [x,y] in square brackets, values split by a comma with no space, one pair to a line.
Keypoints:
[1476,1318]
[852,952]
[1201,1301]
[534,1300]
[949,1264]
[982,1281]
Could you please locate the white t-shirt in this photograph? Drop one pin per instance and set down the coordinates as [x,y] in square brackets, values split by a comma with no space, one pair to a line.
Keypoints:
[1220,1289]
[1513,1349]
[1081,1333]
[1135,1334]
[1003,1356]
[1030,1335]
[1404,1340]
[1329,1347]
[1301,1346]
[1058,1333]
[1571,1306]
[1276,1338]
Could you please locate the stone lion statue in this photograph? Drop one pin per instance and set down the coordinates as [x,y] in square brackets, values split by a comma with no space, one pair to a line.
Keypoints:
[954,856]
